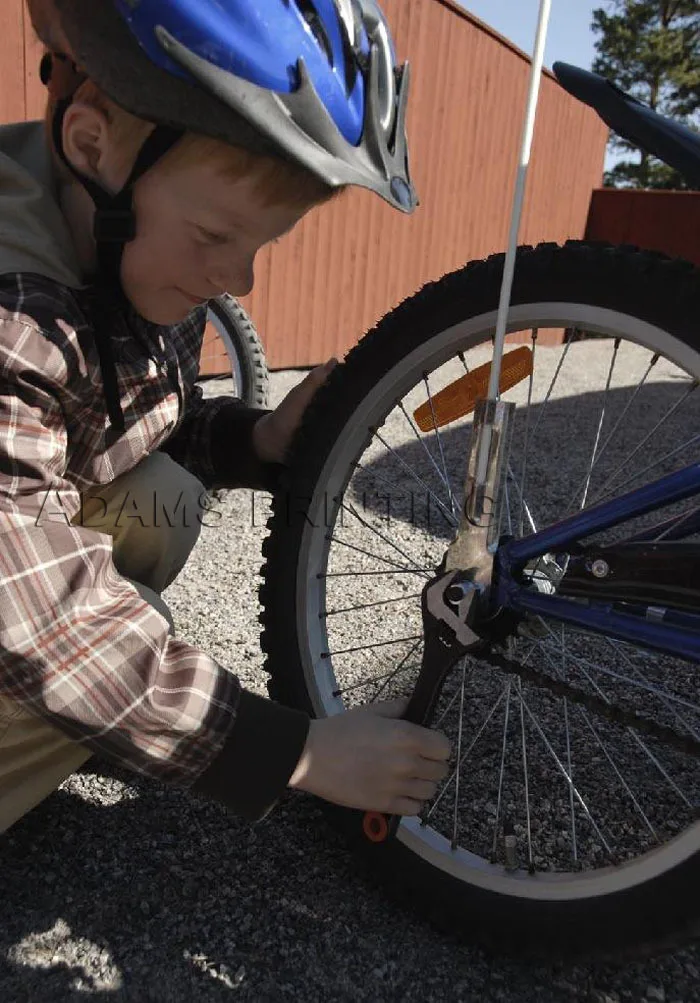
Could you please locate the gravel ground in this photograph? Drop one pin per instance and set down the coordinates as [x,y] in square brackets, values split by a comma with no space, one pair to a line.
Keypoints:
[133,891]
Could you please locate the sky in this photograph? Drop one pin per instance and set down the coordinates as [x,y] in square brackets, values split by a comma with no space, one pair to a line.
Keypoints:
[569,39]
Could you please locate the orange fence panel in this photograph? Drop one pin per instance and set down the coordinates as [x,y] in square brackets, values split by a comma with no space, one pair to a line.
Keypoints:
[665,221]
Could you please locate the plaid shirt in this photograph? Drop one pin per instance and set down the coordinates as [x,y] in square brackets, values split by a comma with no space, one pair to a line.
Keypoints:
[78,644]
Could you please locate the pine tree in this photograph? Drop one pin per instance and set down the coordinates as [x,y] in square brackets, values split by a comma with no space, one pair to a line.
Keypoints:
[651,49]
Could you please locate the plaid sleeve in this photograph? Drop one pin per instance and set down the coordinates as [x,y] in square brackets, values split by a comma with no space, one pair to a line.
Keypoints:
[214,442]
[79,646]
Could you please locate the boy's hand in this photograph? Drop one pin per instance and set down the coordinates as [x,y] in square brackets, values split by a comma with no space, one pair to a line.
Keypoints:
[273,433]
[367,759]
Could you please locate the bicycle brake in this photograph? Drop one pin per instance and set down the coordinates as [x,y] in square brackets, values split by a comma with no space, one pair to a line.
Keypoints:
[448,606]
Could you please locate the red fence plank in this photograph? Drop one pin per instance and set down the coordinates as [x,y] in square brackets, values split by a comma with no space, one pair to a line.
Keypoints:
[12,93]
[35,92]
[665,221]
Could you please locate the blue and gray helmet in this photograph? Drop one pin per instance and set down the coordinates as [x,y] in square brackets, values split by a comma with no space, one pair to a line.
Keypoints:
[314,81]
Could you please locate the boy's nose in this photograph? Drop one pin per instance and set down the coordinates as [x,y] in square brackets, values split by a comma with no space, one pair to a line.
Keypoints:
[236,281]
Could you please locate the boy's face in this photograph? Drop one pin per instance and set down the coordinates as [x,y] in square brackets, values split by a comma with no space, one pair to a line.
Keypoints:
[198,234]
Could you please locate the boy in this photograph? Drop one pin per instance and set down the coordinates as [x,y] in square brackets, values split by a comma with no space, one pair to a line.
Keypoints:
[157,177]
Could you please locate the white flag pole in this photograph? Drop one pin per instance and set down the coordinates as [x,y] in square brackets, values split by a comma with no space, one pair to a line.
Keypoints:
[526,147]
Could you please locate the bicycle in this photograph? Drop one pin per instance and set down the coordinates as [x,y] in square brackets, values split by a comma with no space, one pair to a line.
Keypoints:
[506,563]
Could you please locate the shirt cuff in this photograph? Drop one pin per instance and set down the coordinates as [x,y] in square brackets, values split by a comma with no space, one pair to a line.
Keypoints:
[232,452]
[252,770]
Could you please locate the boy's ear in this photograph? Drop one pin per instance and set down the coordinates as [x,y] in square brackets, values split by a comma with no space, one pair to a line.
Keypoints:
[86,138]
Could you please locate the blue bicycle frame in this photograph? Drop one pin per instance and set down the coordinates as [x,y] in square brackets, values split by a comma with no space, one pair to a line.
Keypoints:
[680,635]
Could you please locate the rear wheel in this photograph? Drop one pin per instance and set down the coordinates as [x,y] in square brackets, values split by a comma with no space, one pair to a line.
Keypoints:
[557,830]
[249,378]
[249,375]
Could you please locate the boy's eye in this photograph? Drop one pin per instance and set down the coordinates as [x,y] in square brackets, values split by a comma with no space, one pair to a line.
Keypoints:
[210,237]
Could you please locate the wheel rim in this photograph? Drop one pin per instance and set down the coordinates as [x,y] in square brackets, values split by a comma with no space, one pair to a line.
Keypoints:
[322,672]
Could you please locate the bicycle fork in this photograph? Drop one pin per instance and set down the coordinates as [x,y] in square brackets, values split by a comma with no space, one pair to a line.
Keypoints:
[454,601]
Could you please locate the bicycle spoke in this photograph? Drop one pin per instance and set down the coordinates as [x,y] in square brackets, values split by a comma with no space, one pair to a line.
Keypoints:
[656,463]
[523,472]
[601,421]
[607,486]
[367,605]
[439,442]
[578,660]
[604,749]
[574,852]
[366,647]
[524,505]
[506,506]
[392,485]
[619,776]
[506,715]
[568,751]
[652,758]
[419,480]
[531,865]
[662,770]
[376,557]
[387,676]
[381,536]
[427,452]
[459,751]
[647,687]
[628,405]
[675,524]
[394,673]
[545,402]
[438,721]
[563,771]
[661,693]
[465,755]
[359,574]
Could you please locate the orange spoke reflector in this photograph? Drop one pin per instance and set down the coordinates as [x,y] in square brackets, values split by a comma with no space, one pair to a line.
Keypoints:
[460,397]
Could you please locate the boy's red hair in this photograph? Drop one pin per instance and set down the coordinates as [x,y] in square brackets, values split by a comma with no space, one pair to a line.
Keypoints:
[279,182]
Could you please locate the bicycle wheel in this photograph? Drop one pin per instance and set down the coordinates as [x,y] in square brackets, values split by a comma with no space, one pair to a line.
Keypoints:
[244,349]
[557,829]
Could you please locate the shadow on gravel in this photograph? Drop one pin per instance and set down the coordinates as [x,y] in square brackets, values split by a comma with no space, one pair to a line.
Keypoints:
[161,896]
[560,439]
[165,898]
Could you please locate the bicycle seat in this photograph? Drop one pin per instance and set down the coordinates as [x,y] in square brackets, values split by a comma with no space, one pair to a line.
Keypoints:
[675,144]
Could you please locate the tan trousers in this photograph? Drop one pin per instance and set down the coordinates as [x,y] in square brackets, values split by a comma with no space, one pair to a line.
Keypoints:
[34,755]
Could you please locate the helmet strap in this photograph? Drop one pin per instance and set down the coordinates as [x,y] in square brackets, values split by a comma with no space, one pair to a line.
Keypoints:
[115,221]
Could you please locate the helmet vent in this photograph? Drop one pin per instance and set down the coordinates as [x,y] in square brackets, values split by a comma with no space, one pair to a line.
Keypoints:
[308,11]
[350,50]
